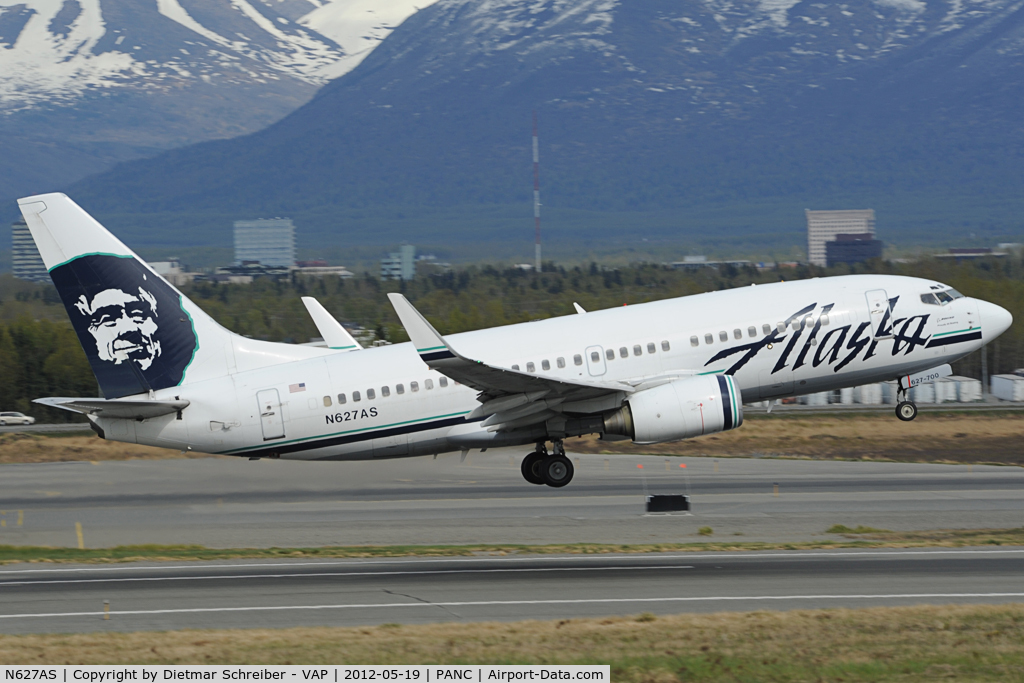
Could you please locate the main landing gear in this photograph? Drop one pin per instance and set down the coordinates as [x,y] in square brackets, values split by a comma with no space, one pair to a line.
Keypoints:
[553,469]
[905,410]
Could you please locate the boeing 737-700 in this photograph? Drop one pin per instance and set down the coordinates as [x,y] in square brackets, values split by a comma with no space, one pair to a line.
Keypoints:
[173,377]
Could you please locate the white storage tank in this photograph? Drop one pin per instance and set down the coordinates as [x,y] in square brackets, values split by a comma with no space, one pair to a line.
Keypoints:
[923,393]
[968,389]
[818,399]
[889,393]
[945,390]
[868,395]
[1008,387]
[846,396]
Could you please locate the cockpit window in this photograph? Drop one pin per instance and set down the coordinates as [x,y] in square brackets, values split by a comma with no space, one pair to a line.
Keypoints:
[955,294]
[943,297]
[929,299]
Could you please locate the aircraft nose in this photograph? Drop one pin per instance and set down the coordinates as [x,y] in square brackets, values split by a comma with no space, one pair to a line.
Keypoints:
[994,320]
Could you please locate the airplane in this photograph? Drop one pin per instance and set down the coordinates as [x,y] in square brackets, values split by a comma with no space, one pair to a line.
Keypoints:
[663,371]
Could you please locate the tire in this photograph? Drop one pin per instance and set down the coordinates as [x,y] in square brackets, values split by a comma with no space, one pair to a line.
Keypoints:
[557,471]
[906,411]
[530,468]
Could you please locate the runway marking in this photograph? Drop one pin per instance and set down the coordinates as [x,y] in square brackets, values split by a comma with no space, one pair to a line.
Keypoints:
[495,603]
[236,577]
[750,554]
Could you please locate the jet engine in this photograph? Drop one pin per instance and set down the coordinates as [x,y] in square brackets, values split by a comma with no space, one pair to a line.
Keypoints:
[678,410]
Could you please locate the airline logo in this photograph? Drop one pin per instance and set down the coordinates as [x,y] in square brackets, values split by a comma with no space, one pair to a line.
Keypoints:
[131,324]
[806,342]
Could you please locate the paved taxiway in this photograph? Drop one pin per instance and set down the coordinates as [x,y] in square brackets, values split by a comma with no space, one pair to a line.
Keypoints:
[222,502]
[358,592]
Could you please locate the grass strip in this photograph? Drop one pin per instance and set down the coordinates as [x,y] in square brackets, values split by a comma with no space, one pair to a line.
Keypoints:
[919,643]
[842,537]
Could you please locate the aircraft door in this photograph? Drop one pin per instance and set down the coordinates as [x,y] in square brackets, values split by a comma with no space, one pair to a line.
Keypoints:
[271,417]
[879,313]
[595,361]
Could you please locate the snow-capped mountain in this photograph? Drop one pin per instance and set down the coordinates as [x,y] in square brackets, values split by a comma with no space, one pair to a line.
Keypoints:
[98,81]
[685,106]
[55,51]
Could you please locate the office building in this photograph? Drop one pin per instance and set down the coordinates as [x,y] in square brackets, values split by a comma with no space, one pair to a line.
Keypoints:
[824,226]
[399,265]
[269,242]
[852,249]
[25,259]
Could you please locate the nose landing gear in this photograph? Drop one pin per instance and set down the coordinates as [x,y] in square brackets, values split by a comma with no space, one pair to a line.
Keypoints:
[554,469]
[905,410]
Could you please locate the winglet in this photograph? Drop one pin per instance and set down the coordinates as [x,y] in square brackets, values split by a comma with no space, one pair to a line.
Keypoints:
[429,344]
[579,309]
[336,336]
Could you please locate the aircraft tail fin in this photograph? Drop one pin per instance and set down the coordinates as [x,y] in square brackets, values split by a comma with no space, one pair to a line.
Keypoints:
[139,333]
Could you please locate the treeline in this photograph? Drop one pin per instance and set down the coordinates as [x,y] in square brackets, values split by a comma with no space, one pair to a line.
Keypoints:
[40,355]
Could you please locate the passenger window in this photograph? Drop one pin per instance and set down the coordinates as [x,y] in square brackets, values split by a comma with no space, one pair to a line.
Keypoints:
[327,401]
[737,333]
[545,365]
[530,367]
[809,321]
[560,362]
[578,359]
[515,367]
[709,338]
[637,350]
[428,384]
[766,328]
[651,348]
[751,331]
[824,320]
[694,341]
[370,394]
[723,335]
[443,382]
[356,397]
[781,327]
[796,325]
[623,352]
[385,391]
[665,346]
[399,388]
[414,386]
[610,354]
[595,356]
[341,399]
[929,299]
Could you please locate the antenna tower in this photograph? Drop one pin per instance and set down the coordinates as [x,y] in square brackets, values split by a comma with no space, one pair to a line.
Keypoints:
[536,192]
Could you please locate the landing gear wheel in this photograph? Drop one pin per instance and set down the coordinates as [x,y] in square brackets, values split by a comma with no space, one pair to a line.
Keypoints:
[906,410]
[557,471]
[531,467]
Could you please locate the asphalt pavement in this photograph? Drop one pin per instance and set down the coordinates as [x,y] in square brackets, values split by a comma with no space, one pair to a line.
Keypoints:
[275,594]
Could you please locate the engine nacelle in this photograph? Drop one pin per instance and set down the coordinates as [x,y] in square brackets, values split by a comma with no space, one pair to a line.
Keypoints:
[679,410]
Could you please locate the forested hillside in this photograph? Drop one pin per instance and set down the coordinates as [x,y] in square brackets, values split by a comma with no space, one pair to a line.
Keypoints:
[40,356]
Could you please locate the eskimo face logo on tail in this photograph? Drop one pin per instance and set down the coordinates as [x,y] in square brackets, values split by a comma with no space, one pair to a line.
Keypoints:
[123,325]
[131,323]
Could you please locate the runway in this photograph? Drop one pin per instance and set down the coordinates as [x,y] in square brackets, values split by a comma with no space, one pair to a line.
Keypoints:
[360,592]
[222,502]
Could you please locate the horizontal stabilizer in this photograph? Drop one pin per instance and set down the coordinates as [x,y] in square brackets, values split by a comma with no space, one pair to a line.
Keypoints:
[335,336]
[125,410]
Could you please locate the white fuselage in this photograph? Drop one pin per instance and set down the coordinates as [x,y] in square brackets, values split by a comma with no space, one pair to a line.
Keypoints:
[824,338]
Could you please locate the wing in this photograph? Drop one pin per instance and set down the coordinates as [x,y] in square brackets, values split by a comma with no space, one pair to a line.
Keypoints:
[129,410]
[336,336]
[509,398]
